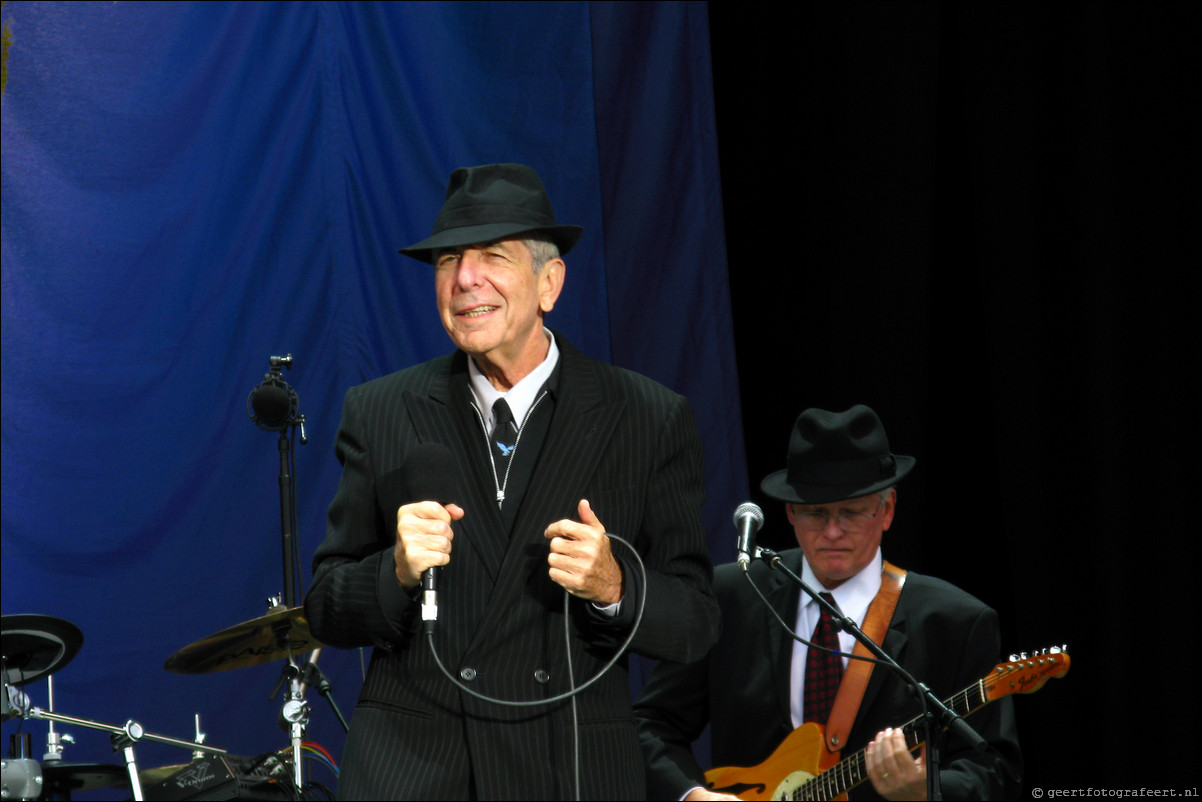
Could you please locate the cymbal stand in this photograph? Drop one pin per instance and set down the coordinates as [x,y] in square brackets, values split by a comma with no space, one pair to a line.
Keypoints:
[295,714]
[312,675]
[54,740]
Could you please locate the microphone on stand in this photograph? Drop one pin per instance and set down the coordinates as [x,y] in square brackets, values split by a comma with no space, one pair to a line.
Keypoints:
[272,405]
[748,520]
[432,477]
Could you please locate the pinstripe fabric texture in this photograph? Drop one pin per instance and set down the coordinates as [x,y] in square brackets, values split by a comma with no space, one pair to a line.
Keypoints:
[622,441]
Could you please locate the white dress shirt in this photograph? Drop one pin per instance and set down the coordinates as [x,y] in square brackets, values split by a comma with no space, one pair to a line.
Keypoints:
[852,598]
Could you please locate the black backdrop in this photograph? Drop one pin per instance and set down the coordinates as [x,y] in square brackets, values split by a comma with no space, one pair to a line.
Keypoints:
[981,220]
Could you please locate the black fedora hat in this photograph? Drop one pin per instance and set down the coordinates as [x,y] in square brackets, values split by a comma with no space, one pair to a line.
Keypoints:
[492,202]
[835,456]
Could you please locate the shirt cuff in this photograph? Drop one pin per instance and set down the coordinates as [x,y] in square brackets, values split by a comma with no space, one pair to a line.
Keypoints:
[609,610]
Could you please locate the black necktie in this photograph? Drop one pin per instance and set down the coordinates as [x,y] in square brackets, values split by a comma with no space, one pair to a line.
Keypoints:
[502,442]
[824,671]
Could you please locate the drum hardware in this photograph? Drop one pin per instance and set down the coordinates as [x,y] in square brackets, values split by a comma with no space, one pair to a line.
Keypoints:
[312,676]
[281,634]
[267,776]
[123,739]
[294,717]
[34,646]
[63,779]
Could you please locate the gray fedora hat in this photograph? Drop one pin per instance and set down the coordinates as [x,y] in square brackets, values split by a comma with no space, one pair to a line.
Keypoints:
[492,202]
[835,456]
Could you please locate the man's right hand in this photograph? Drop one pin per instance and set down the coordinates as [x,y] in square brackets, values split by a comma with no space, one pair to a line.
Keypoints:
[705,794]
[423,539]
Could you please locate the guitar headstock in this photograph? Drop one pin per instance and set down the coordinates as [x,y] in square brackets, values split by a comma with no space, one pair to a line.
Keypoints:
[1026,673]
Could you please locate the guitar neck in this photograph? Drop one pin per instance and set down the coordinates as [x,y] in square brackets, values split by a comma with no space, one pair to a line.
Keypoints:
[853,770]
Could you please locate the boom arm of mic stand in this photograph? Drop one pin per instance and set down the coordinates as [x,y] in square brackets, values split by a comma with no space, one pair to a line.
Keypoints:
[932,705]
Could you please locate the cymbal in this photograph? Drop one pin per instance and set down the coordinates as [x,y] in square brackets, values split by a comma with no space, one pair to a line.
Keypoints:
[275,636]
[63,778]
[37,645]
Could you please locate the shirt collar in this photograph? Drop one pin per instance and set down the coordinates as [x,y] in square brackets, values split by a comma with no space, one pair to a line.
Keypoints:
[521,396]
[854,595]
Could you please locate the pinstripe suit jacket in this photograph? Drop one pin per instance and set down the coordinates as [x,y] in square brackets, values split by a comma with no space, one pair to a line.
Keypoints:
[941,635]
[628,445]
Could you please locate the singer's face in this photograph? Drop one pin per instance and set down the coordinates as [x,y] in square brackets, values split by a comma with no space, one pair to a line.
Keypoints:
[840,539]
[492,303]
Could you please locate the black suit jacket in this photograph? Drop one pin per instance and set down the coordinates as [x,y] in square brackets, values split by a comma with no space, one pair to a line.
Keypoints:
[941,635]
[628,445]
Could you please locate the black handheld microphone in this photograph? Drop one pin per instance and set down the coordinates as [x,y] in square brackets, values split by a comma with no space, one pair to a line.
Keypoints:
[432,477]
[748,520]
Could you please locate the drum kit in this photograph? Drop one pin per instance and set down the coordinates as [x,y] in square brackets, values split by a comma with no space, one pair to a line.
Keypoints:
[37,646]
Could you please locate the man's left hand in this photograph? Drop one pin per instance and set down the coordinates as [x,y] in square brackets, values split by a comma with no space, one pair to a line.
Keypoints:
[581,561]
[895,773]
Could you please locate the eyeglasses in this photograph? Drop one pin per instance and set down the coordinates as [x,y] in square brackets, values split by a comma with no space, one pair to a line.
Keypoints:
[847,520]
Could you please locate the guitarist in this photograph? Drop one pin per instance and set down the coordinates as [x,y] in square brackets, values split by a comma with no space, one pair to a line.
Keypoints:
[839,496]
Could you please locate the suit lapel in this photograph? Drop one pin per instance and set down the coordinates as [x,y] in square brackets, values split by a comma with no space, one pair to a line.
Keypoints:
[447,416]
[583,422]
[783,597]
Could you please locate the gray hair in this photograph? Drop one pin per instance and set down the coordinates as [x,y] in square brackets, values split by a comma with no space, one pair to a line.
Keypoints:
[542,250]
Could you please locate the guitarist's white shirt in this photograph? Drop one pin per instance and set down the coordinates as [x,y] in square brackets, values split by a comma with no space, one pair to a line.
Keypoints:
[852,598]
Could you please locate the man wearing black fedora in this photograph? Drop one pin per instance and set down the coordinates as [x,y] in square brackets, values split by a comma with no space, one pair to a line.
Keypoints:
[759,686]
[545,452]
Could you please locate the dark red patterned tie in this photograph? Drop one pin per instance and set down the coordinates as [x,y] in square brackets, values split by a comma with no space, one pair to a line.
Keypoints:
[824,670]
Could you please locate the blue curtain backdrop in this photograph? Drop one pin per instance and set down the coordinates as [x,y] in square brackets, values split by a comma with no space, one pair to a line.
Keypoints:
[191,187]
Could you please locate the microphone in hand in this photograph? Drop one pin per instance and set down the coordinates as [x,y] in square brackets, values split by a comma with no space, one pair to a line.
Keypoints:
[432,477]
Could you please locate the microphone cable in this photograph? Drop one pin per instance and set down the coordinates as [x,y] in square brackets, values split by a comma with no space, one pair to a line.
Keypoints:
[789,629]
[573,691]
[774,562]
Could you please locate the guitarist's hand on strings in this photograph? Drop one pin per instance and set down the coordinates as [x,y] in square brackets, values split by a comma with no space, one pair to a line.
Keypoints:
[699,794]
[894,772]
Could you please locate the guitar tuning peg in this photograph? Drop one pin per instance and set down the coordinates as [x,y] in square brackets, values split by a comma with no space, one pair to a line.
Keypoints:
[1013,657]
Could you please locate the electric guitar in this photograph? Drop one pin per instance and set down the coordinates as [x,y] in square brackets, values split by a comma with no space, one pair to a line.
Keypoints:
[802,768]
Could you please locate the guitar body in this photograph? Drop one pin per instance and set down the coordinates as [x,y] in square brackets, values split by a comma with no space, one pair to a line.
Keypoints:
[800,757]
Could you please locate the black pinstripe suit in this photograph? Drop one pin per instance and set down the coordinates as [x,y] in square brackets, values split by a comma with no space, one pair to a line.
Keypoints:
[628,445]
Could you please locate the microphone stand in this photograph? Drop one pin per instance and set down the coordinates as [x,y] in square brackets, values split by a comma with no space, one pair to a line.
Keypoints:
[296,710]
[287,500]
[934,710]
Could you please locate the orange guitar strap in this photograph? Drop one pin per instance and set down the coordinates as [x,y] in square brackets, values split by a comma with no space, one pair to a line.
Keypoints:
[855,678]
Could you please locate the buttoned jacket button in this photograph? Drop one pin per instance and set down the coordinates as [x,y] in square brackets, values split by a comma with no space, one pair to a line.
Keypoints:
[541,676]
[467,673]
